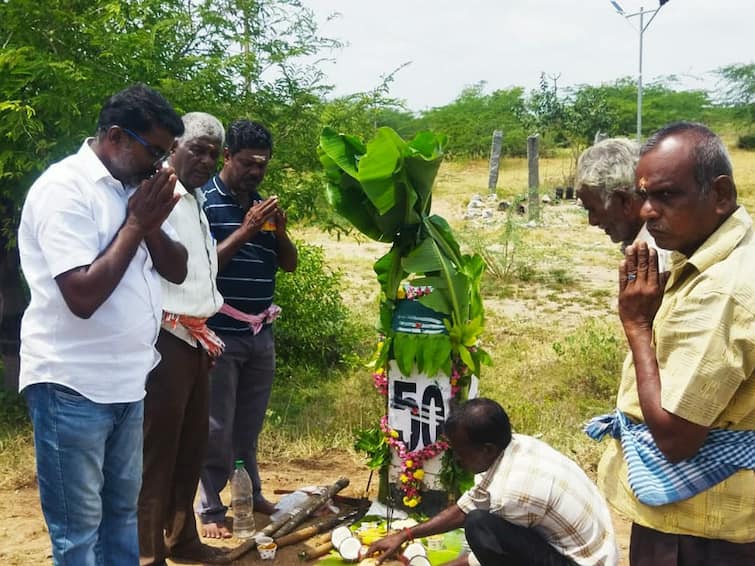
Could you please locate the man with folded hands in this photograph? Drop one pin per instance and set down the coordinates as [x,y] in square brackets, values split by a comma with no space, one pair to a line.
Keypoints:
[176,404]
[682,462]
[252,244]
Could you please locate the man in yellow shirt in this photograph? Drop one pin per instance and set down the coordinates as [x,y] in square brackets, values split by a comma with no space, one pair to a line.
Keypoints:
[688,380]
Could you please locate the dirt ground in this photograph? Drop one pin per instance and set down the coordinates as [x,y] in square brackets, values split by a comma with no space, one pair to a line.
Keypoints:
[24,541]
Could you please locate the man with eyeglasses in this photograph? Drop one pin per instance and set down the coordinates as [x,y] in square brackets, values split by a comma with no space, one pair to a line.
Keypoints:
[93,245]
[252,244]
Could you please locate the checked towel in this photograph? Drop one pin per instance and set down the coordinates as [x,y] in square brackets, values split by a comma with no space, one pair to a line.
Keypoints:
[656,481]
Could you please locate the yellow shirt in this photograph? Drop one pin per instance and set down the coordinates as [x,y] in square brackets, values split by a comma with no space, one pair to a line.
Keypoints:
[704,339]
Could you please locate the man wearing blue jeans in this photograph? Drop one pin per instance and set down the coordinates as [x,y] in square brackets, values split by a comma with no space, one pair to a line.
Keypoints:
[252,244]
[92,245]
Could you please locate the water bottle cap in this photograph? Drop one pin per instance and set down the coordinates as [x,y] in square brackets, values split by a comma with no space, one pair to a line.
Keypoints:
[239,464]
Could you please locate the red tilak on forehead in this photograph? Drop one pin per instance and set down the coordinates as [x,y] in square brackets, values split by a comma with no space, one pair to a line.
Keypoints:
[642,189]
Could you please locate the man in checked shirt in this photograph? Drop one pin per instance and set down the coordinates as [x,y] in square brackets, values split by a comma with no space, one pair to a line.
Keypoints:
[530,504]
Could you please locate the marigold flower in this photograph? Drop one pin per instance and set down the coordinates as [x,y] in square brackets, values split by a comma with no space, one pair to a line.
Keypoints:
[411,501]
[409,464]
[400,293]
[419,474]
[394,434]
[403,478]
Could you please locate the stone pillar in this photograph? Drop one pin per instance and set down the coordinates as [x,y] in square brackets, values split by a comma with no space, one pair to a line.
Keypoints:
[533,159]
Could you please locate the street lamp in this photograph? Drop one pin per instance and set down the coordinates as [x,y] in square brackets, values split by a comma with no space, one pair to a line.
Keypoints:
[641,29]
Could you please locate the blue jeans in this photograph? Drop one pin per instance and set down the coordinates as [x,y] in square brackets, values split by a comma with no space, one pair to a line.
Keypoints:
[89,466]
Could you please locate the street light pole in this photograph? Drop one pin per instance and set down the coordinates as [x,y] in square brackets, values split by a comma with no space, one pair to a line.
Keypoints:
[641,30]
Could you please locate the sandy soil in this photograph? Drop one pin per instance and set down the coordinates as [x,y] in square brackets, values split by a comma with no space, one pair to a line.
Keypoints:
[25,541]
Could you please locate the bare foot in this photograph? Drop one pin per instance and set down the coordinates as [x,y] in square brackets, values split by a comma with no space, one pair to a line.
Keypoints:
[214,530]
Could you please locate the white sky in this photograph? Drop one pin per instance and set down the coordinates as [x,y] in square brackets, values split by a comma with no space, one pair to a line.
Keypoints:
[452,44]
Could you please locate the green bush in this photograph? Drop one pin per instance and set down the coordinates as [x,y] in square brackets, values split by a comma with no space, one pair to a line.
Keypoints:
[746,141]
[315,327]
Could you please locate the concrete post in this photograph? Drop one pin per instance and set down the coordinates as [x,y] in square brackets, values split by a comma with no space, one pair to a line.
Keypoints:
[533,194]
[495,160]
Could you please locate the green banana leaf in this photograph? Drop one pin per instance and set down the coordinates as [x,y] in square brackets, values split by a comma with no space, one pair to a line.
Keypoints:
[428,257]
[389,272]
[384,186]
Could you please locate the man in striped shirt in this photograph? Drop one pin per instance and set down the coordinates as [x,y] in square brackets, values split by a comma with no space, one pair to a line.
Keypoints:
[252,244]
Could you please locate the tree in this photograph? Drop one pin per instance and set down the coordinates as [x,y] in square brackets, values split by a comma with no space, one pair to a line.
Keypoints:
[739,90]
[60,59]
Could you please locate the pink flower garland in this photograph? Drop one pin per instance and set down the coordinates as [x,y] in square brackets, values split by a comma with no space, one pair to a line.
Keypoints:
[411,462]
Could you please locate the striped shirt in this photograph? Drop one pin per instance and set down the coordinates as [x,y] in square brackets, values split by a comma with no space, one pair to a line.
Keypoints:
[534,486]
[247,282]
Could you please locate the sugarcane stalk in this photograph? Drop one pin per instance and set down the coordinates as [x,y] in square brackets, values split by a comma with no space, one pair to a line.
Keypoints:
[275,528]
[315,502]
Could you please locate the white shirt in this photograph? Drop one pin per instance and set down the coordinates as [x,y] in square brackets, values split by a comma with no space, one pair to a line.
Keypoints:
[198,295]
[534,486]
[664,256]
[71,214]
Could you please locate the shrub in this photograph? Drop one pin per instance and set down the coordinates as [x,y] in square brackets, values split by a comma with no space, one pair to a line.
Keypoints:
[315,327]
[746,141]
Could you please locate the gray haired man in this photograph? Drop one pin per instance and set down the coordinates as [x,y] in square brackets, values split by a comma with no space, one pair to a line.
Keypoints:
[605,185]
[176,405]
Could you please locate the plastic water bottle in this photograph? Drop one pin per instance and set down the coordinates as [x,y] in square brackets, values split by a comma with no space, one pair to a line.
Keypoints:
[241,496]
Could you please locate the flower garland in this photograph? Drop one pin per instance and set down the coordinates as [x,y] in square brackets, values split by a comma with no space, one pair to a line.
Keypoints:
[411,462]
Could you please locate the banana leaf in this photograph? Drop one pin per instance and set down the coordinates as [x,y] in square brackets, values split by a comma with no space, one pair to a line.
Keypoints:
[389,272]
[384,186]
[429,257]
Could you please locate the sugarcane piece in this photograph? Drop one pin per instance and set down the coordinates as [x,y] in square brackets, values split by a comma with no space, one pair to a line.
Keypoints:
[310,553]
[307,509]
[311,531]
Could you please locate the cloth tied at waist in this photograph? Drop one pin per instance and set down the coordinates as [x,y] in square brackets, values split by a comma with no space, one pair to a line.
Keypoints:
[255,321]
[198,330]
[656,481]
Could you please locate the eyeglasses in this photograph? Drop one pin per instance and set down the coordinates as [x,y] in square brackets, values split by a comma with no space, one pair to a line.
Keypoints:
[159,154]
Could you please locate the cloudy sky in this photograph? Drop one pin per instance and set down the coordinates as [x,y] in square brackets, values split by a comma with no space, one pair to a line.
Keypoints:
[451,44]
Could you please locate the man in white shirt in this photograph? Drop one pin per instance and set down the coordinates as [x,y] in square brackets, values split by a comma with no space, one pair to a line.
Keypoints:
[605,185]
[176,405]
[92,245]
[530,504]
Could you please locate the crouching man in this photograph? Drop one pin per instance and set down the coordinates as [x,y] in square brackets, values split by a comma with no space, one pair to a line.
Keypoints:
[530,504]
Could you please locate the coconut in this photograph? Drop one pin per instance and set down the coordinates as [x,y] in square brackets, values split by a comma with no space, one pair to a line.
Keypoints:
[414,549]
[350,548]
[338,535]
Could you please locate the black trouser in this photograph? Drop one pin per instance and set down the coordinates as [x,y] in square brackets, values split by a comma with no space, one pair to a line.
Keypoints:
[648,547]
[495,541]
